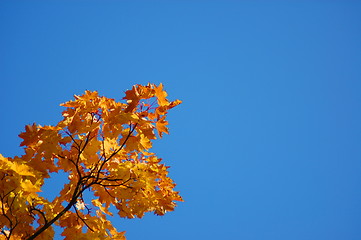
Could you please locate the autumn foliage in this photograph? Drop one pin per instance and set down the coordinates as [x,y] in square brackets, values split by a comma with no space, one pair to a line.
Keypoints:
[103,146]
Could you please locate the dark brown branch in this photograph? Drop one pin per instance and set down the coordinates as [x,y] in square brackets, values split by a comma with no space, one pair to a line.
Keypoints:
[131,130]
[4,213]
[103,145]
[113,185]
[41,213]
[80,151]
[87,139]
[60,214]
[105,188]
[82,219]
[83,183]
[123,144]
[71,136]
[114,180]
[12,225]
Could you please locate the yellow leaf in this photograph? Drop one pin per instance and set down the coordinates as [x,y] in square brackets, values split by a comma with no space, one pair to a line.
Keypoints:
[161,126]
[29,187]
[22,169]
[104,147]
[161,95]
[98,204]
[145,142]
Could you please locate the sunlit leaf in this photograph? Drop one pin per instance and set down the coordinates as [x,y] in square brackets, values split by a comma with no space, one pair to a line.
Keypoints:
[103,146]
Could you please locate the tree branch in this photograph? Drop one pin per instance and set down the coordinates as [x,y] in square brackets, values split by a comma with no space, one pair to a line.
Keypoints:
[82,183]
[82,219]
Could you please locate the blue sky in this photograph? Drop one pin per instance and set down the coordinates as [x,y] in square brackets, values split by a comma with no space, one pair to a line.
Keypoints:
[266,144]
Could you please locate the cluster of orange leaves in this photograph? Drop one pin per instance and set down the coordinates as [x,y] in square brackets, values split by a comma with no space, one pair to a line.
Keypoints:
[103,146]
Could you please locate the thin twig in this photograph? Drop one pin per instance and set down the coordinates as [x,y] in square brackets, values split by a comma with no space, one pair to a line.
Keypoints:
[82,219]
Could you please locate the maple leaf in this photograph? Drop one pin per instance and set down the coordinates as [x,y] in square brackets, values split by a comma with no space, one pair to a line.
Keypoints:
[161,95]
[161,126]
[133,98]
[30,135]
[103,146]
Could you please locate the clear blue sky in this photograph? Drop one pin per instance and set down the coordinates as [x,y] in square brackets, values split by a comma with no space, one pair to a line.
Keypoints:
[267,144]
